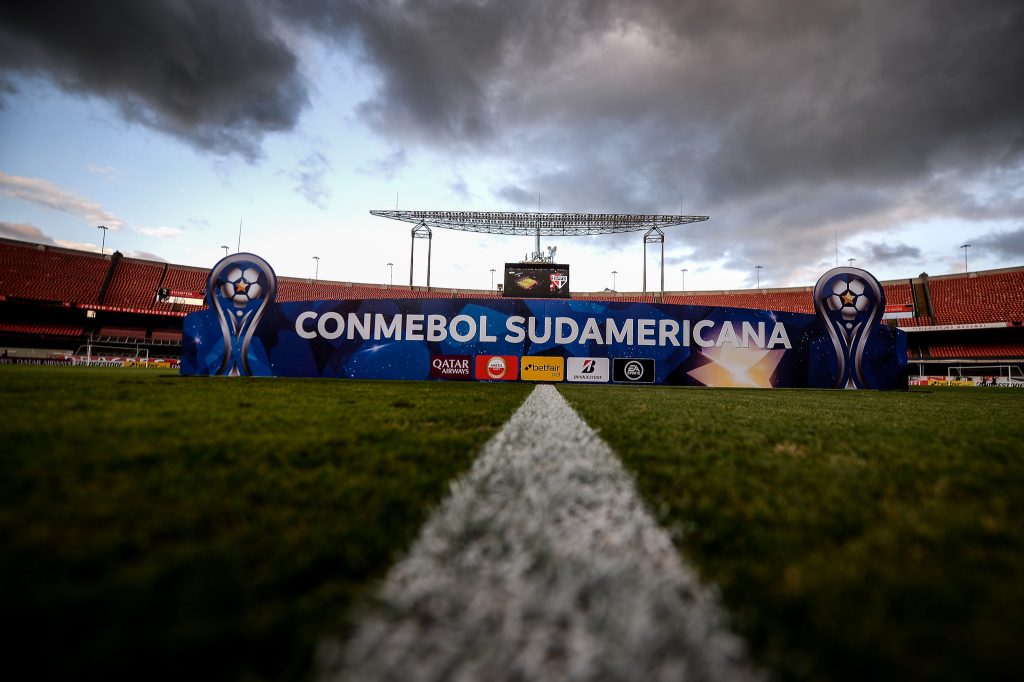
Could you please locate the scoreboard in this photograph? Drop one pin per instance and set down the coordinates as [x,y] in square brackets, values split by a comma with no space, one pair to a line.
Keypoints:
[536,280]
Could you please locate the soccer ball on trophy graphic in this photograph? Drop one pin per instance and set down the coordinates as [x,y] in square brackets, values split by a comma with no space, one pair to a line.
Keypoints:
[848,297]
[241,286]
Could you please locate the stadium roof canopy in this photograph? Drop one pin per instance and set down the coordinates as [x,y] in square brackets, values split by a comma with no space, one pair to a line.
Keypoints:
[533,224]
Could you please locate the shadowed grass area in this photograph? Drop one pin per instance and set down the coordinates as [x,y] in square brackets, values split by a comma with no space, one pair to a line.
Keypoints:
[854,535]
[155,526]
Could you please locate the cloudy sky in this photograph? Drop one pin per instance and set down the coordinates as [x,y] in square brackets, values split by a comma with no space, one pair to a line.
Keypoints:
[894,128]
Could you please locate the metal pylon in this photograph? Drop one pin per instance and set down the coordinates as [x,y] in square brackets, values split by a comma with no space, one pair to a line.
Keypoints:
[655,236]
[421,231]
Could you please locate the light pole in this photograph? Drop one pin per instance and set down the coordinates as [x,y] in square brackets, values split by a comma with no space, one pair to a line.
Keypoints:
[225,247]
[757,269]
[492,279]
[684,271]
[614,272]
[965,246]
[391,270]
[103,243]
[850,261]
[316,275]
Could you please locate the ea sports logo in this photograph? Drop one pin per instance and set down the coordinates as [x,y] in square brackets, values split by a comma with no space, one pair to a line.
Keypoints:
[634,370]
[496,368]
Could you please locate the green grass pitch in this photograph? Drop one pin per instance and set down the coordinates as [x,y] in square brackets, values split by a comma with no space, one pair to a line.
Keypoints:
[151,524]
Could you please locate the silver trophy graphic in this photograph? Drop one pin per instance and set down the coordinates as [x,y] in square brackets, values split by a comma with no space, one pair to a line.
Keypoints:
[850,302]
[240,288]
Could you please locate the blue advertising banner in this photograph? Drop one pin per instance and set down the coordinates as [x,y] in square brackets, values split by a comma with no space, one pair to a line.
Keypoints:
[244,332]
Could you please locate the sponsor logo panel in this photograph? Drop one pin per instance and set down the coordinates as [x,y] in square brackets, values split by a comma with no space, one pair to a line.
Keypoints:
[633,370]
[587,370]
[457,367]
[497,367]
[541,368]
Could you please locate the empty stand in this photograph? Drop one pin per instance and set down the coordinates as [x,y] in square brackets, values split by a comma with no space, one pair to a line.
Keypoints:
[134,284]
[984,297]
[977,350]
[48,273]
[41,329]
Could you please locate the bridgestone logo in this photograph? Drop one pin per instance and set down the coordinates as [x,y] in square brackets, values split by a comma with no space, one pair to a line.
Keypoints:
[587,370]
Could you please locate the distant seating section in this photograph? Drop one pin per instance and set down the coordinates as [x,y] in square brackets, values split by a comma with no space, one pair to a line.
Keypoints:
[764,299]
[47,273]
[985,297]
[134,284]
[977,350]
[54,274]
[185,279]
[41,329]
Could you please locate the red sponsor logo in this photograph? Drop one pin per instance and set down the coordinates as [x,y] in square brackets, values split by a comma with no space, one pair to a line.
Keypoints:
[497,367]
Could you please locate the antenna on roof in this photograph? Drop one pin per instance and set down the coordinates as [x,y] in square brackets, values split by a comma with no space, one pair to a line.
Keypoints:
[239,250]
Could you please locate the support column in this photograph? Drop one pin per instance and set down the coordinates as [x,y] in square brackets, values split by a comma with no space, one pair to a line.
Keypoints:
[655,236]
[421,231]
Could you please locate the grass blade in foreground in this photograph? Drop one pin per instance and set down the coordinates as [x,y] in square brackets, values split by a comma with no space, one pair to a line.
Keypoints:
[855,535]
[153,524]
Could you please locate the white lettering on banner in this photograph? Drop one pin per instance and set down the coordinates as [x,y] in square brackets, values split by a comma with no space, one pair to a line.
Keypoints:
[436,328]
[561,323]
[413,327]
[307,315]
[514,325]
[645,332]
[697,328]
[339,325]
[363,325]
[561,330]
[453,328]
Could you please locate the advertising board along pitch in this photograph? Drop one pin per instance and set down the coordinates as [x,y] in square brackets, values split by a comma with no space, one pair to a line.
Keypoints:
[246,332]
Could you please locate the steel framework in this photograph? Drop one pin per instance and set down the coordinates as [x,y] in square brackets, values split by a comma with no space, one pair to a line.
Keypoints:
[548,224]
[539,224]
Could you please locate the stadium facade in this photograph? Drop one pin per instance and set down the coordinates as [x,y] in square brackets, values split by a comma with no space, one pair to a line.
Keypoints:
[55,302]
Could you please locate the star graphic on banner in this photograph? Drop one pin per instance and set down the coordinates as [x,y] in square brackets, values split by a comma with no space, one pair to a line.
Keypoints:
[240,287]
[848,298]
[750,367]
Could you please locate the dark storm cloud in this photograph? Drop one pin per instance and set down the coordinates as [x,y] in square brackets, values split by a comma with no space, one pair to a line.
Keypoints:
[309,176]
[1007,246]
[520,198]
[791,123]
[388,166]
[211,73]
[886,252]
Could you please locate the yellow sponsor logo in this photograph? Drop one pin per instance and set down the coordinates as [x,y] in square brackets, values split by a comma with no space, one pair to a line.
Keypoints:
[543,369]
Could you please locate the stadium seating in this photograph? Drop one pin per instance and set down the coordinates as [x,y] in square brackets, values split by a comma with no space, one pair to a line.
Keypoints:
[62,330]
[134,284]
[50,273]
[978,298]
[32,274]
[977,350]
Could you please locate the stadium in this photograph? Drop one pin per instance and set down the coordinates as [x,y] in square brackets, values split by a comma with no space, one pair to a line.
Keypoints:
[125,309]
[163,526]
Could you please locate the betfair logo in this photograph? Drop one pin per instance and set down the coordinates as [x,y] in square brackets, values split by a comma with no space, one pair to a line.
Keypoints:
[543,369]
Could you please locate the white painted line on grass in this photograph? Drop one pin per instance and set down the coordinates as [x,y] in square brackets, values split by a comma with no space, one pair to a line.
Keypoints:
[542,565]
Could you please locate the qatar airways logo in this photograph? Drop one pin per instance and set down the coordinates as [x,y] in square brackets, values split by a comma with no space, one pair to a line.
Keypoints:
[450,367]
